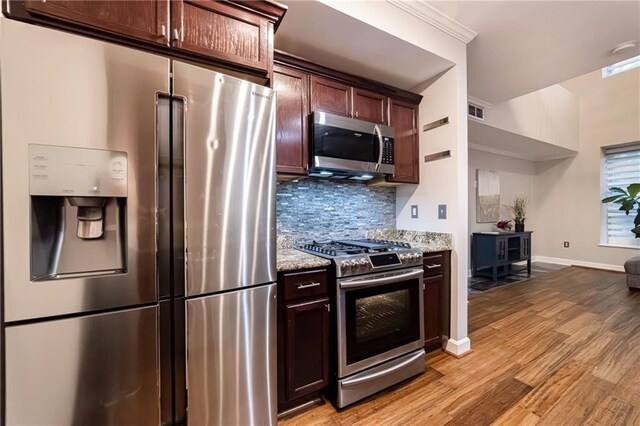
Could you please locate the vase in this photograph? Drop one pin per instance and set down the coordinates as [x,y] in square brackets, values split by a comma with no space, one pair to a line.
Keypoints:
[519,227]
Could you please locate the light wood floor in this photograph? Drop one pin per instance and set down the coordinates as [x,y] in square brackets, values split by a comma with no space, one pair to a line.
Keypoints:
[561,349]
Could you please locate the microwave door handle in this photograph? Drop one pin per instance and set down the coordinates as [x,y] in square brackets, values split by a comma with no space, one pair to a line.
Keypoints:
[381,146]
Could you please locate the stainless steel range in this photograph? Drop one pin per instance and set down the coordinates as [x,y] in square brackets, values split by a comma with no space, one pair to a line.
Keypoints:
[379,298]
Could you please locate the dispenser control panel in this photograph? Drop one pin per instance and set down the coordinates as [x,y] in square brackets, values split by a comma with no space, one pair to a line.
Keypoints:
[79,172]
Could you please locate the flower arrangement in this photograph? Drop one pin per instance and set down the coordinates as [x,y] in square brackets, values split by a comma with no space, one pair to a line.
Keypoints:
[519,210]
[504,225]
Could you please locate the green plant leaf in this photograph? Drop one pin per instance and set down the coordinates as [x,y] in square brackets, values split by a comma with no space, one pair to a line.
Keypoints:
[636,221]
[611,199]
[633,189]
[617,189]
[636,231]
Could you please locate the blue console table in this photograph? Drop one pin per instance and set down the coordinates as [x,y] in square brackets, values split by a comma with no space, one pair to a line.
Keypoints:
[493,253]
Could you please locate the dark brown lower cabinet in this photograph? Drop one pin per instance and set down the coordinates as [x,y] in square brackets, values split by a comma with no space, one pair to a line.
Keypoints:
[432,312]
[437,299]
[307,347]
[303,336]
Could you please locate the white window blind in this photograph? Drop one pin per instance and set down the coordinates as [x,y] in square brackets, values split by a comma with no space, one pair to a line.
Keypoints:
[621,168]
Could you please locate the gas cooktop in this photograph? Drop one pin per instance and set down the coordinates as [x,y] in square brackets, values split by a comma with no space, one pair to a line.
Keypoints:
[354,257]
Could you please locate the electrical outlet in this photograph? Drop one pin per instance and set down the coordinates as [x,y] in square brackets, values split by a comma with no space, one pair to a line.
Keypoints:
[442,211]
[414,211]
[566,244]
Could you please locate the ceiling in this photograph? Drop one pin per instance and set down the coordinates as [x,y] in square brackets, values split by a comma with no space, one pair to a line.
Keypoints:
[524,46]
[328,37]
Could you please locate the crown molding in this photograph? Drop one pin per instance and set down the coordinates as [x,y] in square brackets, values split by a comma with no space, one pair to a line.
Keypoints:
[479,102]
[432,16]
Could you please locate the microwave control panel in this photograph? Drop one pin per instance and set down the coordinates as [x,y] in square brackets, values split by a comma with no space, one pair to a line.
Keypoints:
[387,151]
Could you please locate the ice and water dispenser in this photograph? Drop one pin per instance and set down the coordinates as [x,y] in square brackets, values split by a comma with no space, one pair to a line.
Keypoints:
[78,212]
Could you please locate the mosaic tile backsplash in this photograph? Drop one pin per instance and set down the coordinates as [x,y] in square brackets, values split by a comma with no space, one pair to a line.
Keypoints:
[317,209]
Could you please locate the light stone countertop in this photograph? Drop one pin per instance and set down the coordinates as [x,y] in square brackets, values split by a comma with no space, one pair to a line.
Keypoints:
[428,242]
[290,259]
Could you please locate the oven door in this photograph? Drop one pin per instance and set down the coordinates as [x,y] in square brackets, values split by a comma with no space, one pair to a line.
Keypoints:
[379,318]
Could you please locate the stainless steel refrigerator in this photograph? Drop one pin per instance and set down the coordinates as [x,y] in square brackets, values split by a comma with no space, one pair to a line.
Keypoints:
[138,237]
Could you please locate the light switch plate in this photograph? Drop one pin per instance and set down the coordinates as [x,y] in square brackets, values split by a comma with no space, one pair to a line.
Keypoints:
[414,211]
[442,211]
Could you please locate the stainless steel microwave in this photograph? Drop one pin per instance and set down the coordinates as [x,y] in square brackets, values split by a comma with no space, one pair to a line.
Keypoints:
[347,147]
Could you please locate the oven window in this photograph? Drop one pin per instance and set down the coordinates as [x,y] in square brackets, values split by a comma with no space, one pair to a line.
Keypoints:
[346,144]
[381,318]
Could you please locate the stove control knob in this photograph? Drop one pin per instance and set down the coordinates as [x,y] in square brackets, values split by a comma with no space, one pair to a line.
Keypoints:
[362,263]
[403,257]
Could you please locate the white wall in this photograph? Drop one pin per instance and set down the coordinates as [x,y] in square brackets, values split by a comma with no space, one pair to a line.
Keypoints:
[567,192]
[517,179]
[453,95]
[549,115]
[442,182]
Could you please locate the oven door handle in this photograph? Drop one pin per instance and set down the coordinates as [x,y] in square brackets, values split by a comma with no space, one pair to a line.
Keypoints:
[386,371]
[359,282]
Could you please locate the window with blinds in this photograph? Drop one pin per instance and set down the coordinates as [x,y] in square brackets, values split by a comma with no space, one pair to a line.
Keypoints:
[621,167]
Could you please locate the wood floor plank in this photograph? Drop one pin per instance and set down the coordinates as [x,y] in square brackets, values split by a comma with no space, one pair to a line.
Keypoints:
[559,349]
[492,403]
[579,402]
[611,412]
[538,370]
[517,416]
[546,395]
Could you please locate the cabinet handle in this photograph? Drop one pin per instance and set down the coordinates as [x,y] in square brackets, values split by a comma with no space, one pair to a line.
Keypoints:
[356,114]
[176,34]
[312,284]
[328,307]
[437,265]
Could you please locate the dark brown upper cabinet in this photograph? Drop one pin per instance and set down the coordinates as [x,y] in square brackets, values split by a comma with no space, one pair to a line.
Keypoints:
[369,106]
[224,31]
[330,96]
[403,118]
[292,109]
[234,34]
[337,98]
[145,20]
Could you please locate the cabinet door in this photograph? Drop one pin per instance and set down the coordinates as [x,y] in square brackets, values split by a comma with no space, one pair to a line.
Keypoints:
[404,120]
[292,109]
[369,106]
[141,19]
[307,347]
[433,312]
[330,96]
[222,31]
[525,247]
[501,249]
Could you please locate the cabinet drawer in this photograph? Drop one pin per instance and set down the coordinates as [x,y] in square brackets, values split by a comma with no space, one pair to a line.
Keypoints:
[433,264]
[305,284]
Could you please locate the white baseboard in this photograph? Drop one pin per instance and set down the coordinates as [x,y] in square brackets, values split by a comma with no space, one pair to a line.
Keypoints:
[570,262]
[458,347]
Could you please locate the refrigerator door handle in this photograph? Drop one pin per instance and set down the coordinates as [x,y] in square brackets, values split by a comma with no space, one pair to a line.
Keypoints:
[163,196]
[178,178]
